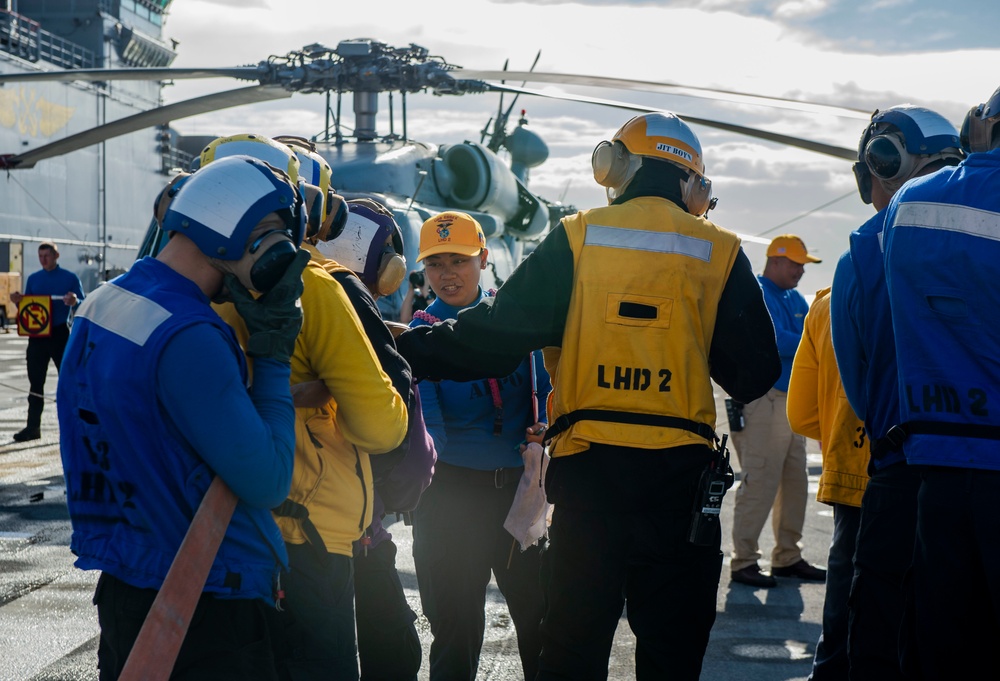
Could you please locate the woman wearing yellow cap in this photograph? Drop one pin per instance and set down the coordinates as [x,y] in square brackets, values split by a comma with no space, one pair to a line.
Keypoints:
[458,533]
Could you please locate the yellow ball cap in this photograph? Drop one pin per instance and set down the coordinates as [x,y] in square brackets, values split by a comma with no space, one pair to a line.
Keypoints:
[792,247]
[451,232]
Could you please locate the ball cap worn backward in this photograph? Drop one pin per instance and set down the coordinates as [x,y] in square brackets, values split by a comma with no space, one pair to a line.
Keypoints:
[451,232]
[791,247]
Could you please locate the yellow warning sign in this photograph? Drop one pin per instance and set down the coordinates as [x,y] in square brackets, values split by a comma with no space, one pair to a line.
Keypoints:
[34,316]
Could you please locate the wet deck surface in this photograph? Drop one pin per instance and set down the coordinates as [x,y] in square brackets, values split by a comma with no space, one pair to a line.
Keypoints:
[48,627]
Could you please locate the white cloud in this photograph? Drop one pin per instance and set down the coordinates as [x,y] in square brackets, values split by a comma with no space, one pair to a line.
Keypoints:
[794,9]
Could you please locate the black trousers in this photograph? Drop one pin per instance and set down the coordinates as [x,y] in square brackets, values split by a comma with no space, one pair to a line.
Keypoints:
[952,621]
[881,560]
[229,639]
[316,639]
[627,550]
[40,352]
[830,662]
[388,643]
[458,540]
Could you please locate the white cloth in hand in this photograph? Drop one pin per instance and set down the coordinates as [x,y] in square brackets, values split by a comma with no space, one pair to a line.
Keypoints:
[527,520]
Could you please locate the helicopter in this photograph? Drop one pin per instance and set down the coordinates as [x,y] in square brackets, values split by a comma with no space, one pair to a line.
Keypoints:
[414,179]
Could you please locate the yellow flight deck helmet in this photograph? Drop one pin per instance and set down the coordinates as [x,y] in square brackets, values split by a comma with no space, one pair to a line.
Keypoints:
[659,135]
[261,147]
[327,209]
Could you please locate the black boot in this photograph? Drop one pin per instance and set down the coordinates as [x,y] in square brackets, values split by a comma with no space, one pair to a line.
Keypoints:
[27,434]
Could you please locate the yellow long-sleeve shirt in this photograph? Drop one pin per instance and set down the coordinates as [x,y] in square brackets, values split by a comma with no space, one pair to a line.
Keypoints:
[332,476]
[818,409]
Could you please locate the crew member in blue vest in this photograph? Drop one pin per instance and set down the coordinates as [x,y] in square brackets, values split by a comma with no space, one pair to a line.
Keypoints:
[153,404]
[900,143]
[66,291]
[941,268]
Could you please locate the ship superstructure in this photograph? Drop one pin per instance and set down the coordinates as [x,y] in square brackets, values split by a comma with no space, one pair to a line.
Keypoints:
[94,202]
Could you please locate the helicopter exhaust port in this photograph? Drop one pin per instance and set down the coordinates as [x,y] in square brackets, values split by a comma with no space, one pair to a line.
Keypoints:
[481,181]
[474,178]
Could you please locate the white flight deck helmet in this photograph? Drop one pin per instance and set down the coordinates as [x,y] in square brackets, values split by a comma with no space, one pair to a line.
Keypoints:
[371,246]
[659,135]
[243,214]
[901,141]
[978,127]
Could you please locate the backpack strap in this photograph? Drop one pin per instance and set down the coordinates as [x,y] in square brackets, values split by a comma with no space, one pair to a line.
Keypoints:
[296,511]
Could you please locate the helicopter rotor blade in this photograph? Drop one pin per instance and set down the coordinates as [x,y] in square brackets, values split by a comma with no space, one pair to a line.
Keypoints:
[669,88]
[146,119]
[809,145]
[101,75]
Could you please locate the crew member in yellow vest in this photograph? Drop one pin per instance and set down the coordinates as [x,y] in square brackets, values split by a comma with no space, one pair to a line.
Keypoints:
[637,306]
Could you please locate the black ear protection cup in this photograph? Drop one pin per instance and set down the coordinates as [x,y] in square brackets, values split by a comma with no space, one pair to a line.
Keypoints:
[314,209]
[610,162]
[336,219]
[863,177]
[976,131]
[270,253]
[887,159]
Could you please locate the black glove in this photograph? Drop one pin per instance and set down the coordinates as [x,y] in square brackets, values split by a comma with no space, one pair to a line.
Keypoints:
[273,320]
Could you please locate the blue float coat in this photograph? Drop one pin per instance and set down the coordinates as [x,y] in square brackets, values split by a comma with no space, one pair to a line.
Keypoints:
[152,405]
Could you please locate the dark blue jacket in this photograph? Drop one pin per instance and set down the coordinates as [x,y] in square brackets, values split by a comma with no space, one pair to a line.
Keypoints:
[863,339]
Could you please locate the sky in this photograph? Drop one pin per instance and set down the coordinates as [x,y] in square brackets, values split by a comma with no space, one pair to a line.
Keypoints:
[841,52]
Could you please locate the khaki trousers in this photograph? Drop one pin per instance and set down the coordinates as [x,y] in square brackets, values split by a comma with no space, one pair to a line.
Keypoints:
[773,474]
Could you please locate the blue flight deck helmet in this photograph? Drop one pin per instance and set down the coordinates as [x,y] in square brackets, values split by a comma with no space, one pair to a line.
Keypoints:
[901,141]
[978,126]
[226,209]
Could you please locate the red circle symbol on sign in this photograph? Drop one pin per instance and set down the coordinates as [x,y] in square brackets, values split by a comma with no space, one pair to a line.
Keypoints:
[33,317]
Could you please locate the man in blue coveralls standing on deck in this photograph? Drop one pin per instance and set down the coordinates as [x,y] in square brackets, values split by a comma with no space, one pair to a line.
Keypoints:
[66,291]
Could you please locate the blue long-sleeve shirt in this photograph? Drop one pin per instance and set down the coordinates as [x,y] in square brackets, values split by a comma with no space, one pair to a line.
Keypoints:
[460,415]
[788,312]
[56,283]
